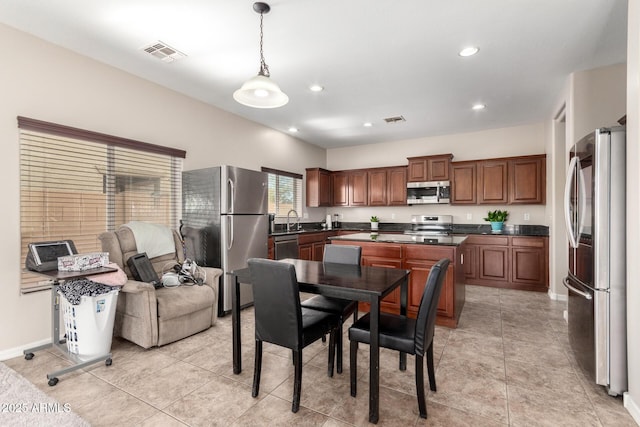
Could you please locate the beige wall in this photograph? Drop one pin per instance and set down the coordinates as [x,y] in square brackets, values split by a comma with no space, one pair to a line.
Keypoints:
[45,82]
[632,398]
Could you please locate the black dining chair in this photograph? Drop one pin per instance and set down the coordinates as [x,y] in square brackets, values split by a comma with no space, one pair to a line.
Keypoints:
[280,320]
[337,254]
[406,335]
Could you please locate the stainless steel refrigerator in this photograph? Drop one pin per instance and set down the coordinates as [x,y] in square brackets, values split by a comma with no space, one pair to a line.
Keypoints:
[595,195]
[225,222]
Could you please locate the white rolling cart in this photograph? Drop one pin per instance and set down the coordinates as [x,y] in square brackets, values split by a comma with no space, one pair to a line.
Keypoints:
[61,344]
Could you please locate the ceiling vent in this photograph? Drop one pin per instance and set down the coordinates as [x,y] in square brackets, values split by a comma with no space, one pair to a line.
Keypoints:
[395,119]
[163,51]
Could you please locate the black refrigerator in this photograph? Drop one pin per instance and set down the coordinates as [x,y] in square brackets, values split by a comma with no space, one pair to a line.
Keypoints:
[225,222]
[595,204]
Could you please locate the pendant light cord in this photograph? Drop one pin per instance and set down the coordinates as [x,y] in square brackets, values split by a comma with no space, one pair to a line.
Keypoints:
[264,68]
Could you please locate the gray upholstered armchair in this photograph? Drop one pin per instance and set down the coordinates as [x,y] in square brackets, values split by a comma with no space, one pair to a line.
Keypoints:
[153,317]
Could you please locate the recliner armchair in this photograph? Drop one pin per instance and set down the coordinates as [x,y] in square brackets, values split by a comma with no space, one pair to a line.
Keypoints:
[154,317]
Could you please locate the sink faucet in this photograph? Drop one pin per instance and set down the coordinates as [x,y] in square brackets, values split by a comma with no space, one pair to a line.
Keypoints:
[289,220]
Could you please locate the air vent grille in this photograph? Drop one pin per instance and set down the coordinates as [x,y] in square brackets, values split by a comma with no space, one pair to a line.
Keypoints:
[395,119]
[163,51]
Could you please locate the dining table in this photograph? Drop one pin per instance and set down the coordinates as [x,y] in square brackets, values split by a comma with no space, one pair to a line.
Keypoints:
[355,282]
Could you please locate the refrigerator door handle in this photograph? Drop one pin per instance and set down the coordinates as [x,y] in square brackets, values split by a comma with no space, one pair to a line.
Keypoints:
[573,239]
[232,195]
[230,234]
[586,295]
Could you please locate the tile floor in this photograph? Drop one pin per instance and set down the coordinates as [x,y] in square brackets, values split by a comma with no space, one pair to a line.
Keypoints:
[508,363]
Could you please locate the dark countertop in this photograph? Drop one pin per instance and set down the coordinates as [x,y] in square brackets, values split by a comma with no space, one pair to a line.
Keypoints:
[458,229]
[402,238]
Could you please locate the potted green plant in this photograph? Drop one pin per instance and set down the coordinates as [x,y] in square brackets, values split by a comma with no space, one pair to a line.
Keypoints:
[497,219]
[374,222]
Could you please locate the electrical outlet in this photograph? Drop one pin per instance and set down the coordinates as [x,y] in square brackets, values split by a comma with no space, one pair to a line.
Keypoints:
[393,216]
[526,217]
[305,215]
[469,216]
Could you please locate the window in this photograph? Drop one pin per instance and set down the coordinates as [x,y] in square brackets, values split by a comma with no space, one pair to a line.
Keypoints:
[285,192]
[75,184]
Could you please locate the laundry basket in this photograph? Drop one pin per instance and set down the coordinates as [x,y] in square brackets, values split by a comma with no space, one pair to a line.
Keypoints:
[89,325]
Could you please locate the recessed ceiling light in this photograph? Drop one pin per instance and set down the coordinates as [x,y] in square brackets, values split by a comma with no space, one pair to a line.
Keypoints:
[479,106]
[293,130]
[469,51]
[316,88]
[367,124]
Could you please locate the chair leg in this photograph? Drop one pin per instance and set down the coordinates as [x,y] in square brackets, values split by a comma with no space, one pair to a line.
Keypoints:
[339,348]
[297,380]
[257,369]
[324,338]
[422,406]
[332,352]
[353,366]
[430,370]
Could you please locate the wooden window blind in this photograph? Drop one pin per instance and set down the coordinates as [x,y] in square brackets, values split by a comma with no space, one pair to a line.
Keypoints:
[285,192]
[75,189]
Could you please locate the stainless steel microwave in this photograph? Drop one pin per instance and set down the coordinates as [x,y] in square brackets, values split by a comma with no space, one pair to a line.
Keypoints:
[429,192]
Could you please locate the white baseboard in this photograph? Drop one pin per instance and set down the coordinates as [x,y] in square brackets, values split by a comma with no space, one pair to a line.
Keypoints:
[556,297]
[632,406]
[10,353]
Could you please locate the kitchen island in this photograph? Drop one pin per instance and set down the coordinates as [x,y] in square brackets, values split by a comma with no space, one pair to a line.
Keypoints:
[417,254]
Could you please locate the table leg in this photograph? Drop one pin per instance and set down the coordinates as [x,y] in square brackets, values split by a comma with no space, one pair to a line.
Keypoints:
[404,291]
[374,361]
[235,324]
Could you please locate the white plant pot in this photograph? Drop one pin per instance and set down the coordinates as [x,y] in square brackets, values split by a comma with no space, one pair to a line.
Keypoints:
[374,225]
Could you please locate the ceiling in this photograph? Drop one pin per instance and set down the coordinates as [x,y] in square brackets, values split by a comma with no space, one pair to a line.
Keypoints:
[375,59]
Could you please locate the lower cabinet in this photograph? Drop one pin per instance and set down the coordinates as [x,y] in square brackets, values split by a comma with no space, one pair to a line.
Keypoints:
[514,262]
[311,245]
[418,259]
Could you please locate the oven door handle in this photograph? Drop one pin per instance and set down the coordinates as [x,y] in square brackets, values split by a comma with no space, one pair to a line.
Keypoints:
[584,294]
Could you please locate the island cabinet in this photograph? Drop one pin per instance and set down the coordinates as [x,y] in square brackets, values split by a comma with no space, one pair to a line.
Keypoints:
[318,188]
[509,180]
[418,259]
[429,168]
[514,262]
[311,245]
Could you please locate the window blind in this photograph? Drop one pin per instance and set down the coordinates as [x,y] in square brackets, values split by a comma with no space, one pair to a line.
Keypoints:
[75,189]
[285,192]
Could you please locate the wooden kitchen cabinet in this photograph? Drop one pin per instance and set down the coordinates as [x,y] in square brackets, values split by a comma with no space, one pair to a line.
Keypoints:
[530,268]
[464,184]
[270,248]
[527,180]
[509,180]
[311,245]
[358,188]
[387,186]
[318,187]
[377,182]
[397,186]
[492,181]
[349,188]
[340,189]
[419,259]
[429,168]
[514,262]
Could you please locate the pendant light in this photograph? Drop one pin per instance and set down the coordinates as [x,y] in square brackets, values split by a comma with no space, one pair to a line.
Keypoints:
[261,91]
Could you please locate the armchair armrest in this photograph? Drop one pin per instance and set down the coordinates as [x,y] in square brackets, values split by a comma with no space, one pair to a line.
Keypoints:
[212,279]
[137,312]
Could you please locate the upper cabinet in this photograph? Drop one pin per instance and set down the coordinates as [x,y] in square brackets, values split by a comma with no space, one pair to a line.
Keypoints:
[511,180]
[349,188]
[387,186]
[429,168]
[318,188]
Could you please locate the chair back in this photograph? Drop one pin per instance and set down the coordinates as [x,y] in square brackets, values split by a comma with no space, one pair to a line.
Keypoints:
[276,300]
[342,254]
[426,320]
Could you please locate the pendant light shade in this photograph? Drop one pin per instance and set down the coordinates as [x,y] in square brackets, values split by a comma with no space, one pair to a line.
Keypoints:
[261,91]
